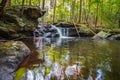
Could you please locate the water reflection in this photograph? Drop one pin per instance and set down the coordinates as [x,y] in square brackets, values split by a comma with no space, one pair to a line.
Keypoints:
[77,59]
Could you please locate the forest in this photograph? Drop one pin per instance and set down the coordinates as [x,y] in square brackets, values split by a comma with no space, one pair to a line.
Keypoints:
[100,14]
[59,39]
[96,13]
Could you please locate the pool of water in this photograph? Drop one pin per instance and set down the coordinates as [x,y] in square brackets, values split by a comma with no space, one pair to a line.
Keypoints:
[72,59]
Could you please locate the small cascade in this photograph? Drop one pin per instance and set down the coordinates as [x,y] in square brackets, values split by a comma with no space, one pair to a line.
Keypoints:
[53,31]
[58,30]
[30,75]
[34,75]
[65,31]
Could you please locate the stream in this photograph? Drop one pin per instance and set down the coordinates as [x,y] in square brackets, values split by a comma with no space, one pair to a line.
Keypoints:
[71,59]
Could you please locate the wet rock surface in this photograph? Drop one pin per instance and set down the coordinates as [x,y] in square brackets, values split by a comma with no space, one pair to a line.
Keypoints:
[115,37]
[46,31]
[11,55]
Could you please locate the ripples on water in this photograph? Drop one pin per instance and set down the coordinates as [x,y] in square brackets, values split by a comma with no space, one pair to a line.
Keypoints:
[75,59]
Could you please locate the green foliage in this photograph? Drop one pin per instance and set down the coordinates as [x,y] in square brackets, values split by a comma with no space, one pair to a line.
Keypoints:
[0,1]
[102,12]
[5,46]
[19,73]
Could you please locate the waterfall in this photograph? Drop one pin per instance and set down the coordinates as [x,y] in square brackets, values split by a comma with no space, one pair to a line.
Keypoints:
[30,75]
[34,75]
[63,32]
[58,30]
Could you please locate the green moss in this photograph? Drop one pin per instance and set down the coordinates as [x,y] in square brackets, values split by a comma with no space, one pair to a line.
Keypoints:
[20,73]
[5,46]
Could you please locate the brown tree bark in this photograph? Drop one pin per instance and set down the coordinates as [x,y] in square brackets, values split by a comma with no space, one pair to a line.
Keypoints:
[80,12]
[96,17]
[2,6]
[43,7]
[72,9]
[22,7]
[8,4]
[54,12]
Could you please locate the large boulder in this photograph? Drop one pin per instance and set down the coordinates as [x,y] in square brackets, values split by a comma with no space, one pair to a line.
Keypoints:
[11,55]
[15,24]
[33,12]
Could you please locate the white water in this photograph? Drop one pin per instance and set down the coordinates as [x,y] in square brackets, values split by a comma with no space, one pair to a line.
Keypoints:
[63,33]
[60,34]
[30,75]
[34,75]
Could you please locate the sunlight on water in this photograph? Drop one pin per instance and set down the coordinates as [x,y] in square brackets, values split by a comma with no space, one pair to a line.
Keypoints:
[77,59]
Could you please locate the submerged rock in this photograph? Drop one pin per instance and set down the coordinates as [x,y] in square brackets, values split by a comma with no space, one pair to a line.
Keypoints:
[11,55]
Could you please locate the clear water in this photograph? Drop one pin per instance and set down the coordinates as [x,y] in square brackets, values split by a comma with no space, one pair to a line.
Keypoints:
[74,59]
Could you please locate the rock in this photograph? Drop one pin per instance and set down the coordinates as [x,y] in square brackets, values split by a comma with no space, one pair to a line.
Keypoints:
[101,35]
[33,12]
[4,32]
[14,19]
[11,55]
[49,31]
[115,37]
[15,23]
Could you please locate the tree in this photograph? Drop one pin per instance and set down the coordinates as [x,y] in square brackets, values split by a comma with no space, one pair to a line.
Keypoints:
[54,12]
[22,7]
[96,17]
[30,2]
[2,6]
[73,9]
[80,12]
[43,5]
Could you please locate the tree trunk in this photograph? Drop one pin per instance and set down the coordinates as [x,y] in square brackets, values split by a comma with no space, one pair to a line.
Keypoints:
[22,7]
[8,4]
[96,18]
[88,13]
[51,4]
[72,11]
[63,16]
[101,13]
[54,13]
[2,6]
[39,3]
[80,12]
[119,23]
[43,5]
[85,12]
[30,2]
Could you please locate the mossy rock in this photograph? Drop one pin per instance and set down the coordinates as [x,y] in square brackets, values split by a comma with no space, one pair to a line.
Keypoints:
[12,54]
[13,48]
[101,35]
